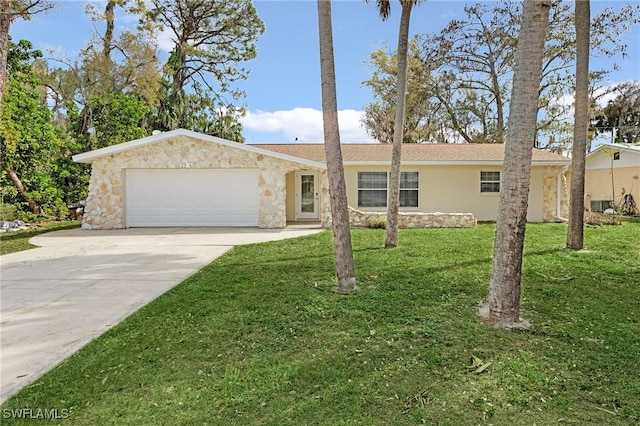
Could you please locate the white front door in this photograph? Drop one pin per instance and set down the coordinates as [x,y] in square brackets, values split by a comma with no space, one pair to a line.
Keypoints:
[307,195]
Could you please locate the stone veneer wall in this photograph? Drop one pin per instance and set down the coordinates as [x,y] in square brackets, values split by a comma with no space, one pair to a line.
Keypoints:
[550,197]
[417,220]
[105,207]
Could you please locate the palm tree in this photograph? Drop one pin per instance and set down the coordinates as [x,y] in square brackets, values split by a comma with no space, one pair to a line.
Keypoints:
[575,232]
[345,268]
[504,289]
[384,8]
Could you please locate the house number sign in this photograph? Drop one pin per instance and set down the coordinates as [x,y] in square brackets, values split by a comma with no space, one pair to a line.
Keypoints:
[186,165]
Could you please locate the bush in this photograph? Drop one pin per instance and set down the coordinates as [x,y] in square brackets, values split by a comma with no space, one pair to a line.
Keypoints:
[376,222]
[7,212]
[597,219]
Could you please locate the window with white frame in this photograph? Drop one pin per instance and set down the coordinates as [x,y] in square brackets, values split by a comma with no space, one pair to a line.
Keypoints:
[489,182]
[409,189]
[372,189]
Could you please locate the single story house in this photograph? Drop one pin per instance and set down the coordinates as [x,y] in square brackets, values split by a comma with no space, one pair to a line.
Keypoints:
[184,178]
[611,171]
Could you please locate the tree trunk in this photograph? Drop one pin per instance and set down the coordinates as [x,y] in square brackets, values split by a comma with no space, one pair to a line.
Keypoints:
[504,289]
[33,206]
[495,84]
[575,232]
[391,233]
[5,24]
[345,268]
[110,18]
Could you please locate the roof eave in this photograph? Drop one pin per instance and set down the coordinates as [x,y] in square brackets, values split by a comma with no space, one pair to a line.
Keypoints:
[620,147]
[451,163]
[89,157]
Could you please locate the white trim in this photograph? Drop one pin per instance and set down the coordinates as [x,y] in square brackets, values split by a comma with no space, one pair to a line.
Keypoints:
[492,181]
[623,147]
[450,163]
[387,188]
[299,214]
[88,157]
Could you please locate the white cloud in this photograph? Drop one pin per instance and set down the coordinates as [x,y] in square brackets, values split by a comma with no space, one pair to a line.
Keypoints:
[602,96]
[165,40]
[606,93]
[448,15]
[305,125]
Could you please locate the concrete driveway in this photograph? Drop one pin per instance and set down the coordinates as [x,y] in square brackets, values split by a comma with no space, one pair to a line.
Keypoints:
[77,284]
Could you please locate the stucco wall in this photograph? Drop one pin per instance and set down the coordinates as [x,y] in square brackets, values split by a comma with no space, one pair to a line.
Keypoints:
[456,189]
[602,160]
[291,206]
[598,177]
[598,185]
[106,200]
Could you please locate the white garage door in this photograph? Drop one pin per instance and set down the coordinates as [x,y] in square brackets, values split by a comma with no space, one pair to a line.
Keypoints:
[191,197]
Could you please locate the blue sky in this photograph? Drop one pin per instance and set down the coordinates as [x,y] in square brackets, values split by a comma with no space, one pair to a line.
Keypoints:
[283,91]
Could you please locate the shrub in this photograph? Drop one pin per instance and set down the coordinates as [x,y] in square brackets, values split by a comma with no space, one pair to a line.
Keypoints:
[376,222]
[7,212]
[597,219]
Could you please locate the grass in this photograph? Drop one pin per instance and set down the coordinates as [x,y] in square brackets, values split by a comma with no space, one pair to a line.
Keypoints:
[259,338]
[12,242]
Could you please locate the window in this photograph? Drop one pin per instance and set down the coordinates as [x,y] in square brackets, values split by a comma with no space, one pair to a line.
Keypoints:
[489,181]
[409,189]
[372,189]
[616,155]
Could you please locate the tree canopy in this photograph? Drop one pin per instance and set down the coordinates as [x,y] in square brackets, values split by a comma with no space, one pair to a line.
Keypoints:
[118,89]
[620,117]
[460,79]
[211,42]
[28,140]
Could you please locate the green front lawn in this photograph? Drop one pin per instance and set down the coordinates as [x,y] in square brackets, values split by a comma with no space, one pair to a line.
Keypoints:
[259,338]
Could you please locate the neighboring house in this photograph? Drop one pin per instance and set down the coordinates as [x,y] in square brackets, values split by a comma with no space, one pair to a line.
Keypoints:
[183,178]
[611,170]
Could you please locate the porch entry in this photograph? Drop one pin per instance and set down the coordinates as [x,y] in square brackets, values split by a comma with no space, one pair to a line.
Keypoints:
[307,187]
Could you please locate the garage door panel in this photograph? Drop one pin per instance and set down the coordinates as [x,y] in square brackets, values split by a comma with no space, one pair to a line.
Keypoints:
[193,197]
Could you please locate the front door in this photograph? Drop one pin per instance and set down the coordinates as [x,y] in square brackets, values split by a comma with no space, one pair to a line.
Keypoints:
[307,195]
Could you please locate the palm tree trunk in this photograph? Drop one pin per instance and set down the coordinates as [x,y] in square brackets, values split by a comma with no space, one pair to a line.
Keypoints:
[504,289]
[345,269]
[391,233]
[575,232]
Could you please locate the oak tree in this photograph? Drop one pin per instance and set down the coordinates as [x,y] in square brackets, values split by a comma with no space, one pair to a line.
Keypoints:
[468,70]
